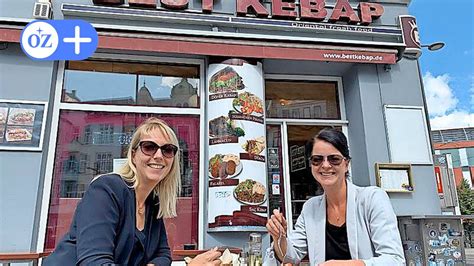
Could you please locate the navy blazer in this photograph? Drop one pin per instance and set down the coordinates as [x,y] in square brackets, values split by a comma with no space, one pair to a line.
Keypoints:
[103,229]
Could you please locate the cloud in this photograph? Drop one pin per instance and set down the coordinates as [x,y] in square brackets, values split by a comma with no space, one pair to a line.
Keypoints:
[455,119]
[439,95]
[442,103]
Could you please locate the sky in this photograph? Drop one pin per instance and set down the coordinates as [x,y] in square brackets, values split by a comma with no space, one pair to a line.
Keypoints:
[448,74]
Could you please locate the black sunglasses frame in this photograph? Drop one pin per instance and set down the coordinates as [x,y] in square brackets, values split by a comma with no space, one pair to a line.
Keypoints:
[333,159]
[166,149]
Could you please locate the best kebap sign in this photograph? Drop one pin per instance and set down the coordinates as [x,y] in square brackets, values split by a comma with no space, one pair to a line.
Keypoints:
[309,10]
[22,125]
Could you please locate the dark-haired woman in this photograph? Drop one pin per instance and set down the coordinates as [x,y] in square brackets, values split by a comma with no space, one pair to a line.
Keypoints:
[347,225]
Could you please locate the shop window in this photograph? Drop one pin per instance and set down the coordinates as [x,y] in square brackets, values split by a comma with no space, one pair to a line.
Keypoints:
[103,163]
[301,100]
[87,139]
[83,160]
[125,83]
[470,156]
[104,134]
[71,164]
[456,158]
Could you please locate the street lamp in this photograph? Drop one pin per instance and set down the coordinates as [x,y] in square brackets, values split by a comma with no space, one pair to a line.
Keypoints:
[434,46]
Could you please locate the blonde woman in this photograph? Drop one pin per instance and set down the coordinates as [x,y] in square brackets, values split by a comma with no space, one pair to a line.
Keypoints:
[120,218]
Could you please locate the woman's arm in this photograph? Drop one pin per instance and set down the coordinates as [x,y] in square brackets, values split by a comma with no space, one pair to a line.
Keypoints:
[297,241]
[383,231]
[97,217]
[162,254]
[293,248]
[277,228]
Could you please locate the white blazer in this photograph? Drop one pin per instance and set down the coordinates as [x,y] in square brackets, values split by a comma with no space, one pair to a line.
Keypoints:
[372,231]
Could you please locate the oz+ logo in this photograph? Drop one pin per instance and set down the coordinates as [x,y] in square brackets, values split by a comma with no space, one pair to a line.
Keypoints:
[59,40]
[39,40]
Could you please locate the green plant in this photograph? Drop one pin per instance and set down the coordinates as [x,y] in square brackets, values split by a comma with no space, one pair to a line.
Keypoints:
[466,198]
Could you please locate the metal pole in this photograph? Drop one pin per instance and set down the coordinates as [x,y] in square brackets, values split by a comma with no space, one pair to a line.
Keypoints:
[425,106]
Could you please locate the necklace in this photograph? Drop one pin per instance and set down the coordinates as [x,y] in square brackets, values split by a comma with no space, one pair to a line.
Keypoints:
[336,214]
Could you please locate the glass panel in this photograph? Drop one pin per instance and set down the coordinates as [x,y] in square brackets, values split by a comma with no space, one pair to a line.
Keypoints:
[470,156]
[301,100]
[456,158]
[275,169]
[89,143]
[122,83]
[303,186]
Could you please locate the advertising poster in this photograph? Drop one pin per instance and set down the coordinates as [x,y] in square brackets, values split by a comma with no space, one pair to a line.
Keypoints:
[237,186]
[21,125]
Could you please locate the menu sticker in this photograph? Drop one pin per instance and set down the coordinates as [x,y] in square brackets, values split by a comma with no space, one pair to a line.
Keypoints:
[3,115]
[22,125]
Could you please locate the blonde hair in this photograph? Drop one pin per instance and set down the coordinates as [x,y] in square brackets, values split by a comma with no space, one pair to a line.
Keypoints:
[169,187]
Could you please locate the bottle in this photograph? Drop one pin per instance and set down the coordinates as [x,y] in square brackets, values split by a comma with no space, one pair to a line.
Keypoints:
[243,259]
[257,258]
[255,252]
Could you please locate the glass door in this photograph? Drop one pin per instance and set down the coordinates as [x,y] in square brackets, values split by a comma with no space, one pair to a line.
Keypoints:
[287,161]
[302,185]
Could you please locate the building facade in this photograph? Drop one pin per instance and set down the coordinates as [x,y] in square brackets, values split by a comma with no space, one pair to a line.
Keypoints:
[459,142]
[288,68]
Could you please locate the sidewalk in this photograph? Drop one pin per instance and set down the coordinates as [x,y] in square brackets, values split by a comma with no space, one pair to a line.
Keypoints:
[470,256]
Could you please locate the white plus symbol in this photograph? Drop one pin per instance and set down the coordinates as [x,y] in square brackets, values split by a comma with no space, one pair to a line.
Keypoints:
[77,40]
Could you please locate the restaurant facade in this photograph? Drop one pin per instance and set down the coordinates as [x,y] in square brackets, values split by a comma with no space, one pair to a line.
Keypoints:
[244,84]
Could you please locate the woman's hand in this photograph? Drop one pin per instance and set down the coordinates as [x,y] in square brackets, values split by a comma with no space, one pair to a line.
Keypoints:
[208,258]
[277,227]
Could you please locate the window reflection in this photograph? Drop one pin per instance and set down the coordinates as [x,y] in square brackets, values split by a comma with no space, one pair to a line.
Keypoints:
[121,83]
[155,91]
[301,100]
[93,143]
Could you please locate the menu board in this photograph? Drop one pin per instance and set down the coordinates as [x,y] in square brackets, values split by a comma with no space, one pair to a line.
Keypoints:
[21,125]
[394,177]
[238,193]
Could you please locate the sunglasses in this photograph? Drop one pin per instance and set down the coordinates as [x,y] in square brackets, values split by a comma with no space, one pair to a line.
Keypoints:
[150,148]
[333,159]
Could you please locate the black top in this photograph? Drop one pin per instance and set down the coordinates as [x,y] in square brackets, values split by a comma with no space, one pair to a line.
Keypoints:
[137,256]
[337,247]
[103,230]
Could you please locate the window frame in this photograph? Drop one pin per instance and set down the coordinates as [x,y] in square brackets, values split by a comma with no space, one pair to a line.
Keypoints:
[59,106]
[285,122]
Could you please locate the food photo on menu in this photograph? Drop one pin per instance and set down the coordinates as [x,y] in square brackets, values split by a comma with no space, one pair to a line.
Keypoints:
[250,192]
[3,115]
[224,166]
[20,116]
[254,146]
[223,126]
[16,134]
[2,133]
[226,80]
[249,104]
